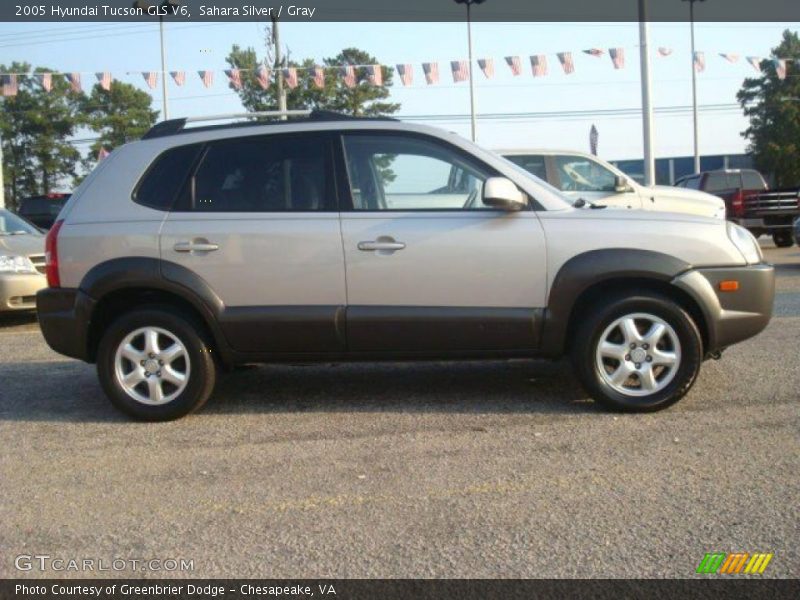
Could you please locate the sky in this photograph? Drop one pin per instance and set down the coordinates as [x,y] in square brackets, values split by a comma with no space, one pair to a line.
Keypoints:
[126,49]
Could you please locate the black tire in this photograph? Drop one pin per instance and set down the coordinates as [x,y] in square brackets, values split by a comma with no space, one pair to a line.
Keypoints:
[594,324]
[202,375]
[783,239]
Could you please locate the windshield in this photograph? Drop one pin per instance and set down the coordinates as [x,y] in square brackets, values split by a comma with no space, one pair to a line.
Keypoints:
[11,224]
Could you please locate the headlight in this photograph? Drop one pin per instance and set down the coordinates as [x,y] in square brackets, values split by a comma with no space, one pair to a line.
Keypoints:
[746,243]
[16,264]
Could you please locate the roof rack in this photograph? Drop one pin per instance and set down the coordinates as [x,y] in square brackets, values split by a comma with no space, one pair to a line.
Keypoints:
[176,126]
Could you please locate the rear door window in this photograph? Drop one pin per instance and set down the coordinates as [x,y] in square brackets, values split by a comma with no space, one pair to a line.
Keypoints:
[752,181]
[262,174]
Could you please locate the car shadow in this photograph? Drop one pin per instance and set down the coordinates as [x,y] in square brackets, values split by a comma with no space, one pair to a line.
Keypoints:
[68,391]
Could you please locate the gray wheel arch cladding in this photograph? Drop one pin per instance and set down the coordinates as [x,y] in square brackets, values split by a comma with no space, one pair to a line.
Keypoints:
[140,272]
[583,271]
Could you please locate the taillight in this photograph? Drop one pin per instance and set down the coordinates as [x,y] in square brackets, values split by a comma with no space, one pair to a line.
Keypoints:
[737,204]
[51,255]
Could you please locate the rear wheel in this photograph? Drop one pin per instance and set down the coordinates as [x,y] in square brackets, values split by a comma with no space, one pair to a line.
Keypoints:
[637,354]
[783,239]
[154,365]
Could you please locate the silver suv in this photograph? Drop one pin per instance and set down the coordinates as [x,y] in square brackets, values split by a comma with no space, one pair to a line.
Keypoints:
[330,238]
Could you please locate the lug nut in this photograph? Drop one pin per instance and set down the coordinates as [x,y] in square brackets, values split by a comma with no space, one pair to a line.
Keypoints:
[142,363]
[633,346]
[649,359]
[147,373]
[645,346]
[638,365]
[152,355]
[158,373]
[161,363]
[627,357]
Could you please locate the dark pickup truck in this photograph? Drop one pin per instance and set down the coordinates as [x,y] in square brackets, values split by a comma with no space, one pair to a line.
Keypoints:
[749,201]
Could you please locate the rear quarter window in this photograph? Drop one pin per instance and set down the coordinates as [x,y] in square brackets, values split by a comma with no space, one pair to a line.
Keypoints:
[161,182]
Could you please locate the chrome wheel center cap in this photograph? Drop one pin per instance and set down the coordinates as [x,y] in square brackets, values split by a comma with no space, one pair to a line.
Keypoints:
[151,365]
[638,355]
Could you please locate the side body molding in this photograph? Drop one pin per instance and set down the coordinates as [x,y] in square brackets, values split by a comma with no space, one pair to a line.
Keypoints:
[583,271]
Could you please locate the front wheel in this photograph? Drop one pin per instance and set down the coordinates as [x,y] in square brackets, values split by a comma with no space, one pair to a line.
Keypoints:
[154,365]
[783,239]
[637,353]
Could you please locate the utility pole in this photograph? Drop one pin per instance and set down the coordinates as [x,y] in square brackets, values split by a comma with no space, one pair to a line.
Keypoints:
[163,68]
[694,89]
[276,42]
[469,4]
[647,105]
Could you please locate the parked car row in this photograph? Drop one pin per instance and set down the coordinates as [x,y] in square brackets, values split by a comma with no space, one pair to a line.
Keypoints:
[22,263]
[749,201]
[333,238]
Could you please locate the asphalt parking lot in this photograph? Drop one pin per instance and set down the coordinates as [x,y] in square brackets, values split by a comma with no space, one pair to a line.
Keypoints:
[501,469]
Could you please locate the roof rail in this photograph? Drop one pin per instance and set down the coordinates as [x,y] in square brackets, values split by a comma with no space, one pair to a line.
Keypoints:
[175,126]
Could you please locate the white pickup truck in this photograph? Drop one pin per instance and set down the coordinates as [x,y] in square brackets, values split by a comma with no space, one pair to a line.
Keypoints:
[580,175]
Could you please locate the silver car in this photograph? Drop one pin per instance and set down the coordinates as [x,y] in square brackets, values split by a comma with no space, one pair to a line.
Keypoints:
[22,263]
[330,238]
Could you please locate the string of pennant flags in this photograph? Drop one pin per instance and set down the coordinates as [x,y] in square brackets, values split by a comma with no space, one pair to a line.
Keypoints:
[459,69]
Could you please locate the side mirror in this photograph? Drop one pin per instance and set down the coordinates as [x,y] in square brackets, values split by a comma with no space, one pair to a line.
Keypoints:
[621,185]
[499,192]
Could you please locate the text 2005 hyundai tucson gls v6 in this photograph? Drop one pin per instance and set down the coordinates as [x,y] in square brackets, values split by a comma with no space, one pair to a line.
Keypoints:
[197,249]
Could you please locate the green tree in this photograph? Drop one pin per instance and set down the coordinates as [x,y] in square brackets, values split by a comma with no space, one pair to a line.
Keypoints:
[363,99]
[119,115]
[36,126]
[773,107]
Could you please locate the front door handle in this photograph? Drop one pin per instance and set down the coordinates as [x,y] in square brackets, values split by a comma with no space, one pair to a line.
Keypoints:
[195,246]
[382,244]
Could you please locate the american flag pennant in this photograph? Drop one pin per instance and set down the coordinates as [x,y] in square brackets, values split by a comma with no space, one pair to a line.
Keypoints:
[74,80]
[290,77]
[699,61]
[596,52]
[349,75]
[755,62]
[539,65]
[102,153]
[780,67]
[179,77]
[262,77]
[515,64]
[375,75]
[207,77]
[487,66]
[9,84]
[150,78]
[104,79]
[406,73]
[565,58]
[235,77]
[664,51]
[46,80]
[460,70]
[617,57]
[730,57]
[318,77]
[431,71]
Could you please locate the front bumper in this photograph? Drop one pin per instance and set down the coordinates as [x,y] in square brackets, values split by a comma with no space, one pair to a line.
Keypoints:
[64,319]
[731,317]
[18,290]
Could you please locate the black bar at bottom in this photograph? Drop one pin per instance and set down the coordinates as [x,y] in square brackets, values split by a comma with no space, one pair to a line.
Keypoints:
[390,589]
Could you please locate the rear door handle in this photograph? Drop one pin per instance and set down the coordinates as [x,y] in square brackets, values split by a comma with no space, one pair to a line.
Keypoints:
[195,246]
[376,245]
